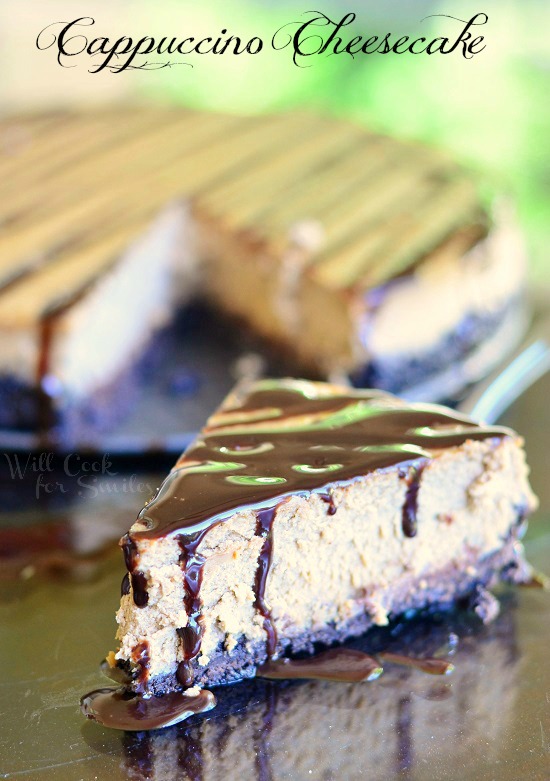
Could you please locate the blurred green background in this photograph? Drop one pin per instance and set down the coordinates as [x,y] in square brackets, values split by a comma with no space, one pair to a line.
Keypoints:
[493,111]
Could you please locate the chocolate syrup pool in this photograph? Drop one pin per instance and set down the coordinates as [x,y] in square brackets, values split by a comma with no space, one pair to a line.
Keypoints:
[123,709]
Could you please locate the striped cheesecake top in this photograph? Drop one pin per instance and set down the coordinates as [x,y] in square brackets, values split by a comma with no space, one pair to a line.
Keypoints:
[76,189]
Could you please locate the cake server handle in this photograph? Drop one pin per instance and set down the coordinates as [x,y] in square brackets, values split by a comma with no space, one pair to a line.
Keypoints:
[490,398]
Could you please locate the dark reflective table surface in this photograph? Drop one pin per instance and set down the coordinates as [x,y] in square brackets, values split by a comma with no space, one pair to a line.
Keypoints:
[60,571]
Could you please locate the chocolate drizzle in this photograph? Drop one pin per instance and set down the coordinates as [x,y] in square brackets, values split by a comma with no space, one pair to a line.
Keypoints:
[140,657]
[428,665]
[134,576]
[291,437]
[191,635]
[125,585]
[130,552]
[410,505]
[329,499]
[264,525]
[139,589]
[287,438]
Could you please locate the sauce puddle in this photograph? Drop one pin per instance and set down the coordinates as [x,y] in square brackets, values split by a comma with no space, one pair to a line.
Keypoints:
[125,710]
[428,665]
[338,664]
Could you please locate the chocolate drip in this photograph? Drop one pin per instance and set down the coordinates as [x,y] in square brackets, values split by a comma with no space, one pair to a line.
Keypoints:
[191,635]
[126,710]
[428,665]
[339,664]
[184,673]
[139,589]
[263,529]
[140,657]
[328,497]
[130,552]
[136,578]
[410,505]
[125,585]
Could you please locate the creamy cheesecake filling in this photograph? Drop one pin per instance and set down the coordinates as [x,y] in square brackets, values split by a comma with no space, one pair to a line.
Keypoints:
[442,292]
[96,335]
[333,502]
[112,324]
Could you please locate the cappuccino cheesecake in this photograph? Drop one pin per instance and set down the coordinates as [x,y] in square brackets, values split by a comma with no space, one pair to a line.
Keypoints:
[306,513]
[357,255]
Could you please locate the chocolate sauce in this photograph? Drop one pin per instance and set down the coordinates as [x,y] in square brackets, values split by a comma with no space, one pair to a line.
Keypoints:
[328,497]
[125,585]
[338,664]
[264,520]
[191,635]
[139,589]
[185,674]
[130,552]
[123,709]
[287,438]
[140,657]
[136,578]
[410,505]
[429,665]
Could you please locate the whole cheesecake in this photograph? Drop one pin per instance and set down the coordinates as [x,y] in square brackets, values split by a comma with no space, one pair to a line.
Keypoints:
[306,513]
[356,254]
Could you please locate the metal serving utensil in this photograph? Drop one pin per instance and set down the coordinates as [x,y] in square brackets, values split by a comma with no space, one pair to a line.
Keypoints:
[488,399]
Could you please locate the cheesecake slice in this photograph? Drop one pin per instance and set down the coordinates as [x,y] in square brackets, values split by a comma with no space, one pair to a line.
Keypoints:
[354,254]
[306,513]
